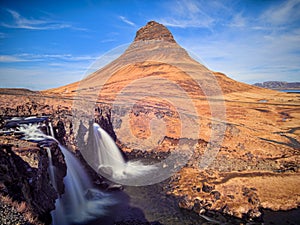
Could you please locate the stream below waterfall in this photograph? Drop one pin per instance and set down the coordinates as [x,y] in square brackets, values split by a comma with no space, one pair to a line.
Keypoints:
[83,203]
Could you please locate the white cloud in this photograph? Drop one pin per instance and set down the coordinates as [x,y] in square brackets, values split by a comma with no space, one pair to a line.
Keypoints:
[184,23]
[185,14]
[252,58]
[125,20]
[107,40]
[52,70]
[250,47]
[21,22]
[9,59]
[65,57]
[286,12]
[276,17]
[27,57]
[238,21]
[185,7]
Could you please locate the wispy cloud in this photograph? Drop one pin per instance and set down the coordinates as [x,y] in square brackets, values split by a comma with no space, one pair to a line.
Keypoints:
[107,40]
[238,21]
[125,20]
[65,57]
[21,22]
[27,57]
[2,35]
[186,7]
[184,23]
[9,59]
[51,73]
[268,58]
[254,46]
[286,12]
[185,14]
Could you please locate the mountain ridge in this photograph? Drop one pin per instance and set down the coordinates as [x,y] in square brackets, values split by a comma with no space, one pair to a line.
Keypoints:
[278,85]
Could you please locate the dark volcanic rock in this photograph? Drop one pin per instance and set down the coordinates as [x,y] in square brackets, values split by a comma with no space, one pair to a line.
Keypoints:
[185,203]
[58,161]
[154,31]
[23,183]
[207,188]
[60,132]
[103,118]
[216,194]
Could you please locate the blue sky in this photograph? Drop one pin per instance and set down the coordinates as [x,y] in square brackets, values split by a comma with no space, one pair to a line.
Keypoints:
[45,44]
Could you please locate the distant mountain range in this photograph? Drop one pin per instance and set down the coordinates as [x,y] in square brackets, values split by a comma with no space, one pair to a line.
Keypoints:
[278,85]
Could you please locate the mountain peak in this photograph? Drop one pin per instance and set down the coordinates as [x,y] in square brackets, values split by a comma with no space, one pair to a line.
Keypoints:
[154,31]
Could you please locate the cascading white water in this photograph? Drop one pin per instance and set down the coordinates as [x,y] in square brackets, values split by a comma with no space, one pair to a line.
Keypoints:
[80,202]
[56,217]
[32,132]
[110,161]
[109,156]
[51,169]
[51,129]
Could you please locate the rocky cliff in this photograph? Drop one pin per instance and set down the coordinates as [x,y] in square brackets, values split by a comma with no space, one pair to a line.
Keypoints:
[24,165]
[24,178]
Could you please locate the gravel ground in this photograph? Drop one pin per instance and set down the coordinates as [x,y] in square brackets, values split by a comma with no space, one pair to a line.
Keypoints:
[10,216]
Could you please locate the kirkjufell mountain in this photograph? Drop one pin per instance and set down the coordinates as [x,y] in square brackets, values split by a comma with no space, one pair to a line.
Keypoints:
[154,42]
[237,145]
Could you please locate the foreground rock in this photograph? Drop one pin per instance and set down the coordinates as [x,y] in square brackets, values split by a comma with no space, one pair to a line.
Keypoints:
[24,178]
[240,194]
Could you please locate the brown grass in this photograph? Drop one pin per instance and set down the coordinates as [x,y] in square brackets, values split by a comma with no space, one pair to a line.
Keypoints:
[21,207]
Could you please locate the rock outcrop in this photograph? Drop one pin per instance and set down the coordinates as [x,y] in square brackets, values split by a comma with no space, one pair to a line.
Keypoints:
[24,177]
[60,132]
[103,118]
[154,31]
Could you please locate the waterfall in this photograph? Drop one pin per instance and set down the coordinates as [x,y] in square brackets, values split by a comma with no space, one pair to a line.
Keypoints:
[110,161]
[51,169]
[109,155]
[31,132]
[56,214]
[81,202]
[51,129]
